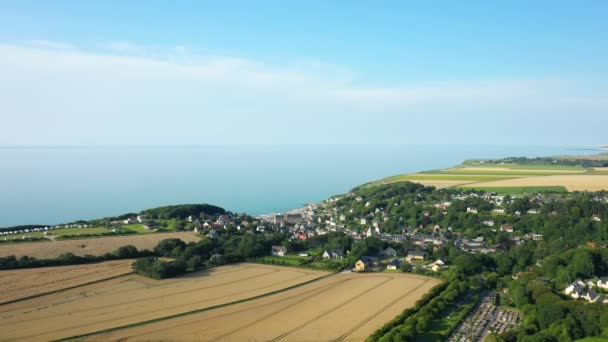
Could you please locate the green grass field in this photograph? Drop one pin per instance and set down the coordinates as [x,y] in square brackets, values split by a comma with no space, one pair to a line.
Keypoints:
[518,190]
[137,228]
[66,231]
[593,339]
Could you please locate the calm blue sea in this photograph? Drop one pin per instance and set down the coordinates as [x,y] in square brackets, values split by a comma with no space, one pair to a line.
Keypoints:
[52,185]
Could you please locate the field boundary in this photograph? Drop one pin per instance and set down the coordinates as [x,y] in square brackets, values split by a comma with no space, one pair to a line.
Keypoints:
[65,289]
[70,338]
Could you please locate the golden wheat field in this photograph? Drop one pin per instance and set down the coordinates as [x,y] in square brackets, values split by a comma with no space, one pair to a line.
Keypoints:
[17,284]
[570,182]
[131,299]
[92,246]
[345,306]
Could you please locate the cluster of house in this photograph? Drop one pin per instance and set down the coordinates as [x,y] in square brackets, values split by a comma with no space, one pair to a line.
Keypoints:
[586,289]
[328,216]
[367,263]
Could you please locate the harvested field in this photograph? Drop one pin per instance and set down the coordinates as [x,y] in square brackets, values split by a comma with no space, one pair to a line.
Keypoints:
[571,182]
[17,284]
[93,246]
[131,299]
[346,306]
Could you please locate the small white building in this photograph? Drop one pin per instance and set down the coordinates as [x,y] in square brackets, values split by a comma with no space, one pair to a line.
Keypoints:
[603,283]
[278,251]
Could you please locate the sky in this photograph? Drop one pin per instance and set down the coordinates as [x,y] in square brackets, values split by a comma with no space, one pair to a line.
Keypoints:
[303,72]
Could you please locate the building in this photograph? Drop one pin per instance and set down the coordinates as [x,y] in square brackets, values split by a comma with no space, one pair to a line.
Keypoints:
[537,237]
[506,228]
[591,296]
[603,283]
[436,265]
[389,252]
[363,264]
[130,220]
[575,291]
[489,223]
[416,255]
[393,264]
[278,251]
[333,254]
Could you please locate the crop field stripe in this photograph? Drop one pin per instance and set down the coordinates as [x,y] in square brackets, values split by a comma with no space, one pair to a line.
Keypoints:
[65,289]
[315,292]
[192,311]
[327,312]
[182,292]
[375,314]
[197,289]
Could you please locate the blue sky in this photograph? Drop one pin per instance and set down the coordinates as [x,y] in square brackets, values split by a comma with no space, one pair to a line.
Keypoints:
[245,72]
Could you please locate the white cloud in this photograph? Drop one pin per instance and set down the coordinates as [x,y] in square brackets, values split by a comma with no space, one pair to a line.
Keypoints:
[134,94]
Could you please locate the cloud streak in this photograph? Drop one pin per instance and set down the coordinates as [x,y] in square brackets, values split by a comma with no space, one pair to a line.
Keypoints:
[58,94]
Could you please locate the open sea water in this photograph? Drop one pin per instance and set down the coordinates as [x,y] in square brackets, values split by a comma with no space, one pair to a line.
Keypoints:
[50,185]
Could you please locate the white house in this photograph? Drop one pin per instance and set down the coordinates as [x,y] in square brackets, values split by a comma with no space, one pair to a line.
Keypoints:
[603,283]
[333,254]
[132,219]
[591,296]
[278,251]
[506,228]
[574,290]
[393,264]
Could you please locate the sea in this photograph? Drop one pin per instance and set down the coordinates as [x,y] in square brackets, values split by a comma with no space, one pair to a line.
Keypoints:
[51,185]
